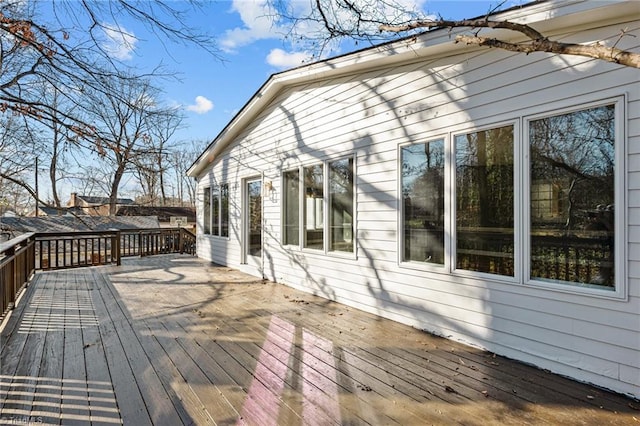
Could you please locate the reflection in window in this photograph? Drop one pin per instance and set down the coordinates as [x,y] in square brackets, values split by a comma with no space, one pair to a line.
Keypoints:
[341,205]
[313,207]
[215,210]
[484,201]
[572,197]
[423,202]
[291,213]
[224,210]
[206,210]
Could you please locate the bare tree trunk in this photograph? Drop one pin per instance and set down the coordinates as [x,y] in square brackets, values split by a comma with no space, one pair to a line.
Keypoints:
[115,184]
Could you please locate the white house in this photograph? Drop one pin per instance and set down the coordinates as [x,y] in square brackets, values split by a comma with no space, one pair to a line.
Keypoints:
[486,196]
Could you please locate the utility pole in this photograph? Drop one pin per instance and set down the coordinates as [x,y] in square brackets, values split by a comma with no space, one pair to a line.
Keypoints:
[37,193]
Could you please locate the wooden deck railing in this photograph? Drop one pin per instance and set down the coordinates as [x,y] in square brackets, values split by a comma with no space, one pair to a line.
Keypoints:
[16,267]
[22,256]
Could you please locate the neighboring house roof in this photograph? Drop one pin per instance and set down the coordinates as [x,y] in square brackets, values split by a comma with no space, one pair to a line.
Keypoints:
[100,201]
[60,211]
[19,225]
[545,16]
[163,213]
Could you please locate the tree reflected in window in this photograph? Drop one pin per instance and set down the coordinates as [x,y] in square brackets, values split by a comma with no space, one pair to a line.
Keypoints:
[484,201]
[572,197]
[423,202]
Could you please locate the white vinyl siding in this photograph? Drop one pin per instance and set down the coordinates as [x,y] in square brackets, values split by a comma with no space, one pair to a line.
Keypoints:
[370,115]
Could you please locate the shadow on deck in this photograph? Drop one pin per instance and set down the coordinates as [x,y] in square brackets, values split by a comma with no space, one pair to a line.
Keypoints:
[171,340]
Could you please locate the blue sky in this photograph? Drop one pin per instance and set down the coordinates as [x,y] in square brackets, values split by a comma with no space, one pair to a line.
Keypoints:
[211,91]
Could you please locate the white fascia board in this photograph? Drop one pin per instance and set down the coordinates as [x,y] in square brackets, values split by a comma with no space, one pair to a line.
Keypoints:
[545,16]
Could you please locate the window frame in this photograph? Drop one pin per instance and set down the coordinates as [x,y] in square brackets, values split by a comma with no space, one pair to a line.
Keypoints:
[620,200]
[224,213]
[522,202]
[517,203]
[217,189]
[434,267]
[283,206]
[206,211]
[325,250]
[304,209]
[329,204]
[215,210]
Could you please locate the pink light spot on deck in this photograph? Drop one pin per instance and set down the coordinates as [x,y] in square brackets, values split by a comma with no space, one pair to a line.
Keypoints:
[262,405]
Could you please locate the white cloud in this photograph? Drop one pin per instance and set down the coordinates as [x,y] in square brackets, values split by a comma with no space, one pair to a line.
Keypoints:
[281,59]
[119,42]
[201,106]
[259,23]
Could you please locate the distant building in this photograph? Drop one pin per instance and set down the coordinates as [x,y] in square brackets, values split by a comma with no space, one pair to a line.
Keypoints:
[58,211]
[95,206]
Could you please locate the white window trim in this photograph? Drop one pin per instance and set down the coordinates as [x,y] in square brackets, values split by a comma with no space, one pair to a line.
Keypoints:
[244,220]
[517,224]
[325,206]
[522,265]
[425,266]
[206,190]
[283,209]
[620,255]
[211,187]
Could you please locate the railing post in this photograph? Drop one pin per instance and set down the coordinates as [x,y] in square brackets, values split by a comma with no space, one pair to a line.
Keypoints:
[115,247]
[11,284]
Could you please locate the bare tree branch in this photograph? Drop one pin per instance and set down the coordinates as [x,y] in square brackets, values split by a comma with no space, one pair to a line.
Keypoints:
[538,42]
[382,20]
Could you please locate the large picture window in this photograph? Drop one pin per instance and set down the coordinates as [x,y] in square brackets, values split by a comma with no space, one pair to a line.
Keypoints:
[422,182]
[542,207]
[572,196]
[485,201]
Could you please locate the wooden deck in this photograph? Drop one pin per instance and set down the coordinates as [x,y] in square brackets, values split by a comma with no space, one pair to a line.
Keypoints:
[171,340]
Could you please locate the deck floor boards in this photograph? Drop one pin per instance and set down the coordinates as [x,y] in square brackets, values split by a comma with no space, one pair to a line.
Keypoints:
[170,340]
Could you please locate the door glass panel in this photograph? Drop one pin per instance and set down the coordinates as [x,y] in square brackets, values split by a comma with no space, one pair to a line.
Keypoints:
[254,199]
